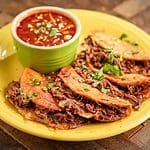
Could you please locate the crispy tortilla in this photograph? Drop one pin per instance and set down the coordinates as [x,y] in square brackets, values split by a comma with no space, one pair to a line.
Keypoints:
[85,104]
[128,79]
[74,82]
[122,48]
[43,98]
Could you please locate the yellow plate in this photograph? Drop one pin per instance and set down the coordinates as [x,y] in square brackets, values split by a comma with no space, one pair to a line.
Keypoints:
[10,69]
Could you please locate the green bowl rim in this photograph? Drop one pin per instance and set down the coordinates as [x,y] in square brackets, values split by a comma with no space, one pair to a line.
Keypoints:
[32,10]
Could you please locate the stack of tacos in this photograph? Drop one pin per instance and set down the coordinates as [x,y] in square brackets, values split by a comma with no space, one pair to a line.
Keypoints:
[107,81]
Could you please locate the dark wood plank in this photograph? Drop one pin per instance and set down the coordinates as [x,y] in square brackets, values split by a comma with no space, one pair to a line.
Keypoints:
[142,20]
[132,132]
[142,138]
[127,11]
[36,143]
[4,18]
[7,12]
[8,143]
[118,143]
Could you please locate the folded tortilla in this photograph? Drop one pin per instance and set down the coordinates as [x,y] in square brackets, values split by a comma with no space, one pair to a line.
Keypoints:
[122,48]
[128,79]
[76,84]
[42,98]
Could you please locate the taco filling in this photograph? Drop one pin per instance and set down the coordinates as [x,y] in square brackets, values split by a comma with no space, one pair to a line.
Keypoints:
[104,84]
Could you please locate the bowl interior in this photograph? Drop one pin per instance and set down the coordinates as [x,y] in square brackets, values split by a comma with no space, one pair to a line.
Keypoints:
[58,10]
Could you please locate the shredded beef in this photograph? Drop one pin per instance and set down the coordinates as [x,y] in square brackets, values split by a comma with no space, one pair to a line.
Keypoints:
[75,109]
[136,97]
[78,104]
[65,116]
[135,94]
[16,96]
[132,66]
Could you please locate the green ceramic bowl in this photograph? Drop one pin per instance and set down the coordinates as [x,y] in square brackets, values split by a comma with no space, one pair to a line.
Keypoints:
[45,59]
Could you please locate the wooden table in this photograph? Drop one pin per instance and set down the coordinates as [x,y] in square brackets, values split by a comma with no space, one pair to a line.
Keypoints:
[135,11]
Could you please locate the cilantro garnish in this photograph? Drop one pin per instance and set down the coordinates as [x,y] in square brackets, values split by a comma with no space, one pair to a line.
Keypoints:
[108,49]
[98,75]
[35,81]
[26,101]
[123,36]
[83,66]
[50,85]
[111,58]
[53,32]
[135,43]
[33,94]
[37,31]
[32,80]
[112,69]
[121,58]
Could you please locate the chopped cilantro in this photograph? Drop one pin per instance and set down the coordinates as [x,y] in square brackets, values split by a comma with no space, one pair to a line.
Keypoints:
[121,58]
[50,85]
[32,80]
[26,101]
[123,36]
[135,43]
[37,31]
[35,81]
[98,75]
[33,94]
[111,55]
[108,50]
[53,32]
[105,90]
[111,58]
[112,69]
[83,66]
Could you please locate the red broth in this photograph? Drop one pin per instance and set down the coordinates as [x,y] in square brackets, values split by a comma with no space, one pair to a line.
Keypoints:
[46,29]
